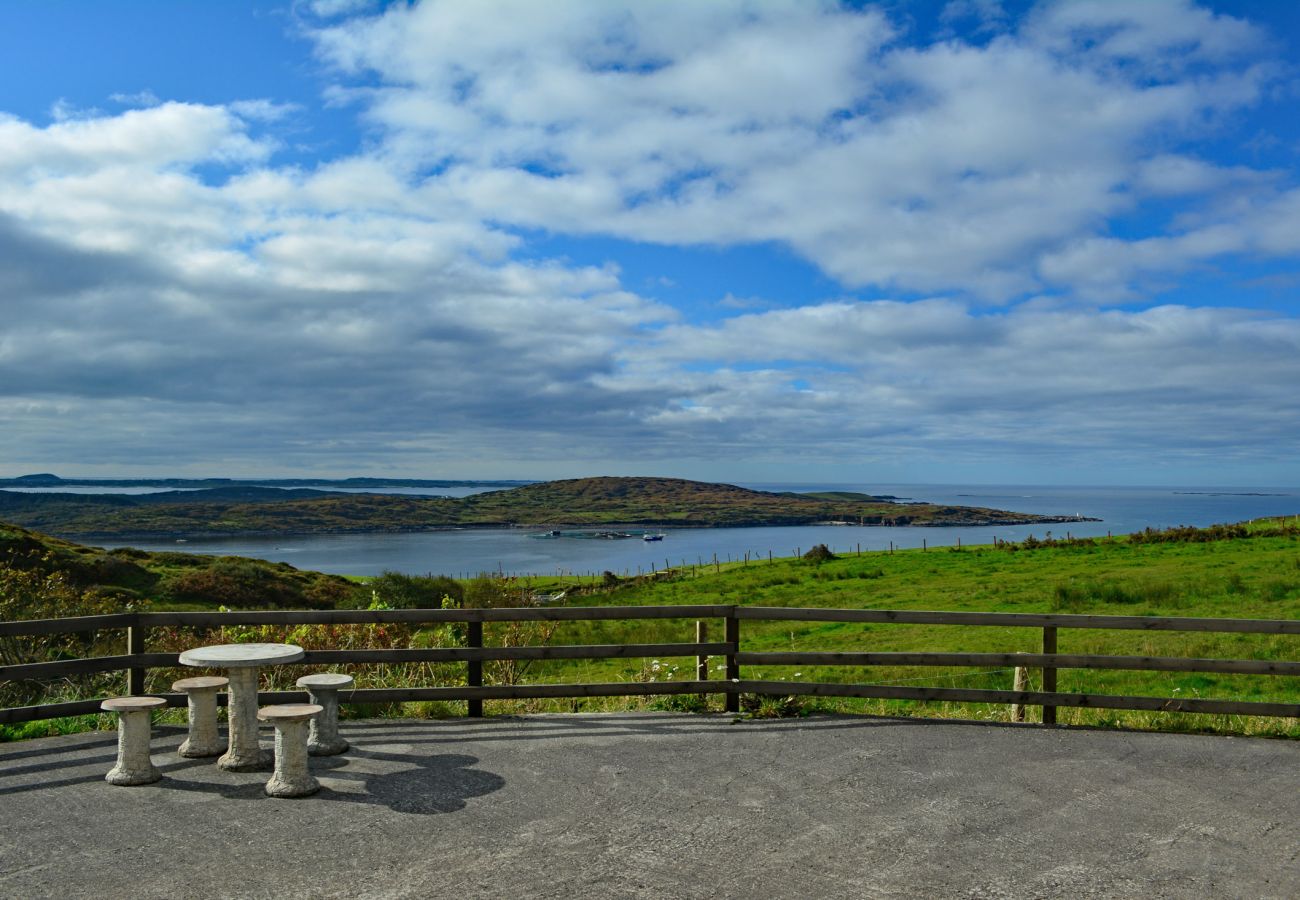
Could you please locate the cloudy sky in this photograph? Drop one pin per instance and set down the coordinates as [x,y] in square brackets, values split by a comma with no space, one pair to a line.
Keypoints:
[962,241]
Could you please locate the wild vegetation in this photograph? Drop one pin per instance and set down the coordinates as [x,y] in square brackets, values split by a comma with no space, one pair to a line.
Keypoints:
[656,502]
[1248,571]
[125,578]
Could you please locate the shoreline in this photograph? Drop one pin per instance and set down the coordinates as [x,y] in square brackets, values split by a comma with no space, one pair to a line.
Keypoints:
[508,526]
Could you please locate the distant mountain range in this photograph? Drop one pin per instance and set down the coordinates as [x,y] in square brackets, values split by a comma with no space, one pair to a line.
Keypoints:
[243,508]
[45,479]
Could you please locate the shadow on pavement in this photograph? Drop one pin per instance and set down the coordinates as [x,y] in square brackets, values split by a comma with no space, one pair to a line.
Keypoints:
[432,785]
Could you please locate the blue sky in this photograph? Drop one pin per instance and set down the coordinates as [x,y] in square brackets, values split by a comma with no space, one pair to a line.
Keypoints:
[947,241]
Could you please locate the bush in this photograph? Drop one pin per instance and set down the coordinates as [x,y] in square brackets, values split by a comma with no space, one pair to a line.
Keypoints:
[820,554]
[128,553]
[29,592]
[415,591]
[328,592]
[234,582]
[489,591]
[106,568]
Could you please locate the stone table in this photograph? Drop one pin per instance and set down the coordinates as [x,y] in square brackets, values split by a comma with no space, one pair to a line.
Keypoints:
[241,661]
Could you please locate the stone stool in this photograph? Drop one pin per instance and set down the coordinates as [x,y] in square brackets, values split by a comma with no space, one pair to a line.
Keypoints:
[133,730]
[202,694]
[324,739]
[292,777]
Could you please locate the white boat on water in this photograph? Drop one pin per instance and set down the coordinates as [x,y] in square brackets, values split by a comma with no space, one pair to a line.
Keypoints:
[652,537]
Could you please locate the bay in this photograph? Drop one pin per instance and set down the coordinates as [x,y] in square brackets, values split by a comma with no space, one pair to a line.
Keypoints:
[526,551]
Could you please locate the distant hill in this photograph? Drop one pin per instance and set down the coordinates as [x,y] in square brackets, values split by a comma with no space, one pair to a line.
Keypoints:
[42,479]
[45,479]
[655,502]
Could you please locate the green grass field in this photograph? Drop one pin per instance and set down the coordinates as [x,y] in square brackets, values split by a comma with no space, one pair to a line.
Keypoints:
[1254,577]
[1241,573]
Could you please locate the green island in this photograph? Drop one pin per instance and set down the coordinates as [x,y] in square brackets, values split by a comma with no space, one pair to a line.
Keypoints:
[652,502]
[1248,570]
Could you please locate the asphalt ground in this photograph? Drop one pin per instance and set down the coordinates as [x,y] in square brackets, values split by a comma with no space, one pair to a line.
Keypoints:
[666,806]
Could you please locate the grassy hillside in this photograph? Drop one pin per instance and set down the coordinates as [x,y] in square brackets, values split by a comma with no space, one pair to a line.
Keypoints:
[575,502]
[35,568]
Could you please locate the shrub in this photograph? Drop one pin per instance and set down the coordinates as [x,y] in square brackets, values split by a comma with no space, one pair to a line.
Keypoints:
[27,591]
[415,591]
[820,554]
[128,553]
[235,582]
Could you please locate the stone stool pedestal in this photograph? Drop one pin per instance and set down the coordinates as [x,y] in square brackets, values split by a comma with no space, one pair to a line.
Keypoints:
[134,765]
[292,777]
[323,738]
[203,739]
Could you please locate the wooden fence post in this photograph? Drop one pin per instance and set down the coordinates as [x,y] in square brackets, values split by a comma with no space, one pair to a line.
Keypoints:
[732,636]
[135,647]
[701,662]
[474,676]
[1049,674]
[1021,683]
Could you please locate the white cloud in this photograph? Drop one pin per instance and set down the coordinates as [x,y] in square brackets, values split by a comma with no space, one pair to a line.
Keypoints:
[1258,224]
[938,376]
[376,308]
[169,134]
[947,166]
[1158,35]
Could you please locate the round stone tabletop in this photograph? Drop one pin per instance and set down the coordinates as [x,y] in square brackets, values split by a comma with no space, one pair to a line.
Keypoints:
[289,712]
[131,704]
[200,683]
[232,656]
[326,680]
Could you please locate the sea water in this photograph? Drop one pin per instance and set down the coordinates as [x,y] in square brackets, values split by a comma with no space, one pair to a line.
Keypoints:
[523,551]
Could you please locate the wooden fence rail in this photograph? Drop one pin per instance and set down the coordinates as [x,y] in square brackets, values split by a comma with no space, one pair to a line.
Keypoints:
[138,660]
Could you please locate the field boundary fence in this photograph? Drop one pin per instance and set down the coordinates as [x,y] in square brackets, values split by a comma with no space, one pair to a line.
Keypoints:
[137,659]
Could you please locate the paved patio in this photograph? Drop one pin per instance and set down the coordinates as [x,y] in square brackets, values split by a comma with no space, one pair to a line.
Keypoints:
[661,805]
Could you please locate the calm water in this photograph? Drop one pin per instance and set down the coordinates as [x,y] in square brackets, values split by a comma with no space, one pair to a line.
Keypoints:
[526,551]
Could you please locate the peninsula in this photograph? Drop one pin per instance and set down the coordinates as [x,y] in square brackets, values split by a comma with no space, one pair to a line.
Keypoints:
[605,501]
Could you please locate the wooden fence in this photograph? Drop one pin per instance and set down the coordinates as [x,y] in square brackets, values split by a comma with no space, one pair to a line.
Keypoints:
[137,658]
